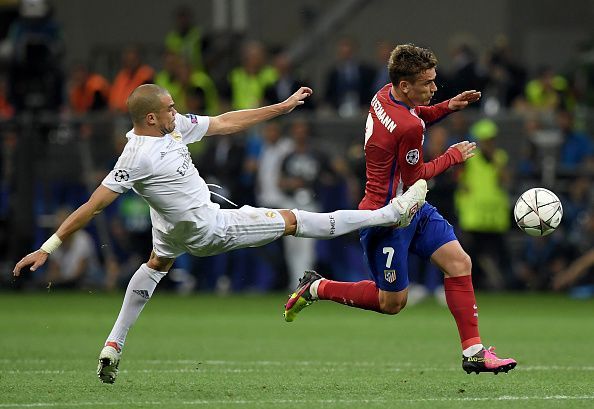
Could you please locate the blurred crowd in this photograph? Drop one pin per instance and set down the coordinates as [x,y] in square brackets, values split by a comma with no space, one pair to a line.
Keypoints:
[47,107]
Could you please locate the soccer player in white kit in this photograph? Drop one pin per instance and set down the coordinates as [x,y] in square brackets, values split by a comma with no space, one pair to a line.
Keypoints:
[156,164]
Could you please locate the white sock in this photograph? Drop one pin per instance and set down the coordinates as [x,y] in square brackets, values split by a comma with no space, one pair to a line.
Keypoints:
[329,225]
[313,288]
[472,350]
[139,291]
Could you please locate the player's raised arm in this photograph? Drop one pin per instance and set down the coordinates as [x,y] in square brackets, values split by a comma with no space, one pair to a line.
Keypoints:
[100,199]
[236,121]
[463,99]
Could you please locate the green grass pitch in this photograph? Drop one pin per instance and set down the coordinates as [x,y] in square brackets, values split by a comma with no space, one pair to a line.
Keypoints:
[237,352]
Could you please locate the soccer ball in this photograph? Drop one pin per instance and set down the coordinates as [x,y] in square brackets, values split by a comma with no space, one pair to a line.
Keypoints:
[538,211]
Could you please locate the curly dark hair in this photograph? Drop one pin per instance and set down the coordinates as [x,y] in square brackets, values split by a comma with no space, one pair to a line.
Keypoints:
[407,61]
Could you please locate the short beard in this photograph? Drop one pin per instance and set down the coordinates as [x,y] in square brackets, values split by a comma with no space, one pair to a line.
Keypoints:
[165,131]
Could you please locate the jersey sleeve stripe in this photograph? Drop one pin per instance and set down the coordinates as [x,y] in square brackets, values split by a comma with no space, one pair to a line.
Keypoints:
[391,184]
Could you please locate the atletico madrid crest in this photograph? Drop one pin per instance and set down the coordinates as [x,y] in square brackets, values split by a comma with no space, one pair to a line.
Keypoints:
[390,275]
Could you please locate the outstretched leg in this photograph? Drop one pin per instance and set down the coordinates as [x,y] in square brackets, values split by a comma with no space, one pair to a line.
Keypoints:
[139,291]
[398,213]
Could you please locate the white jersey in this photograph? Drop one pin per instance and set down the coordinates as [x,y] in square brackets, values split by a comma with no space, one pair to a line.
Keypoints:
[160,170]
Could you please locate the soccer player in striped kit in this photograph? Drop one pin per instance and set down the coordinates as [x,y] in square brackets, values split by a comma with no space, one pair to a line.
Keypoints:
[394,135]
[156,164]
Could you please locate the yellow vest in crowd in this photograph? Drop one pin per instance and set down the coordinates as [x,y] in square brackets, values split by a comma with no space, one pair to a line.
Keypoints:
[247,91]
[482,204]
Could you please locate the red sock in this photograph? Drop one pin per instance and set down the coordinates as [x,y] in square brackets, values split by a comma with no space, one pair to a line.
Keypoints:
[114,345]
[362,294]
[462,304]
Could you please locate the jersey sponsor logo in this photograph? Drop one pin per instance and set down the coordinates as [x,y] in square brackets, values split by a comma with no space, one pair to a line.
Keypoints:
[192,118]
[384,118]
[121,175]
[390,275]
[412,157]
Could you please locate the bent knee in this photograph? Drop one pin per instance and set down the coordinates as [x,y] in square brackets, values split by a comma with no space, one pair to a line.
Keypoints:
[460,265]
[392,307]
[159,263]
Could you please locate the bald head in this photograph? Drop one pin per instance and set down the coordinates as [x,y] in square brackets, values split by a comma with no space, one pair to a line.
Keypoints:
[143,100]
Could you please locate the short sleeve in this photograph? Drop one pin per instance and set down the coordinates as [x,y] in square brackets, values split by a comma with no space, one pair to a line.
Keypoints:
[192,127]
[130,168]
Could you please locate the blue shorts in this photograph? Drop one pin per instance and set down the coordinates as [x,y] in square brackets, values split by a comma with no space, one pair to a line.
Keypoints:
[386,249]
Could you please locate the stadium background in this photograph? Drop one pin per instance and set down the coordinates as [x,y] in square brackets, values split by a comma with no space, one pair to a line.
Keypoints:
[212,351]
[53,156]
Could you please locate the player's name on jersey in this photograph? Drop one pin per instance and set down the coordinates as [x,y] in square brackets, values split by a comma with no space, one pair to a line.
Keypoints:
[384,118]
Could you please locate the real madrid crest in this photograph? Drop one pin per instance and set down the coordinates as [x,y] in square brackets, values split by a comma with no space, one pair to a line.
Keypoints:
[176,135]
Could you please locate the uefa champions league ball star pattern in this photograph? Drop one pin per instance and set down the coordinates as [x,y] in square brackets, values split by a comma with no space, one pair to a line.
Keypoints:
[121,175]
[538,212]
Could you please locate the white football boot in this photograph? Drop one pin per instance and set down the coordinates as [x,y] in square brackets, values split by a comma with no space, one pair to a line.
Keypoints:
[109,360]
[408,203]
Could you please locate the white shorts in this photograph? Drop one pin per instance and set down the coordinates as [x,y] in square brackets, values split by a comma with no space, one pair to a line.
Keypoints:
[219,231]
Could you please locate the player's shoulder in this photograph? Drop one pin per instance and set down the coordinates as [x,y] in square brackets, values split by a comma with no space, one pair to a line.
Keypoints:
[136,153]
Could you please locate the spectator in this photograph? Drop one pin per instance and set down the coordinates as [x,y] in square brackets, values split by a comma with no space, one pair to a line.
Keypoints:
[132,74]
[548,91]
[506,78]
[467,73]
[355,171]
[459,128]
[249,81]
[286,84]
[269,163]
[192,90]
[579,274]
[222,163]
[201,92]
[303,172]
[74,264]
[528,164]
[576,203]
[170,79]
[87,91]
[483,206]
[35,49]
[349,82]
[382,53]
[265,160]
[577,148]
[539,260]
[185,39]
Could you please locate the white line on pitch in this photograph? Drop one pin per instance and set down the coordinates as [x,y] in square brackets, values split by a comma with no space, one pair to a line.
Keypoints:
[230,367]
[300,402]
